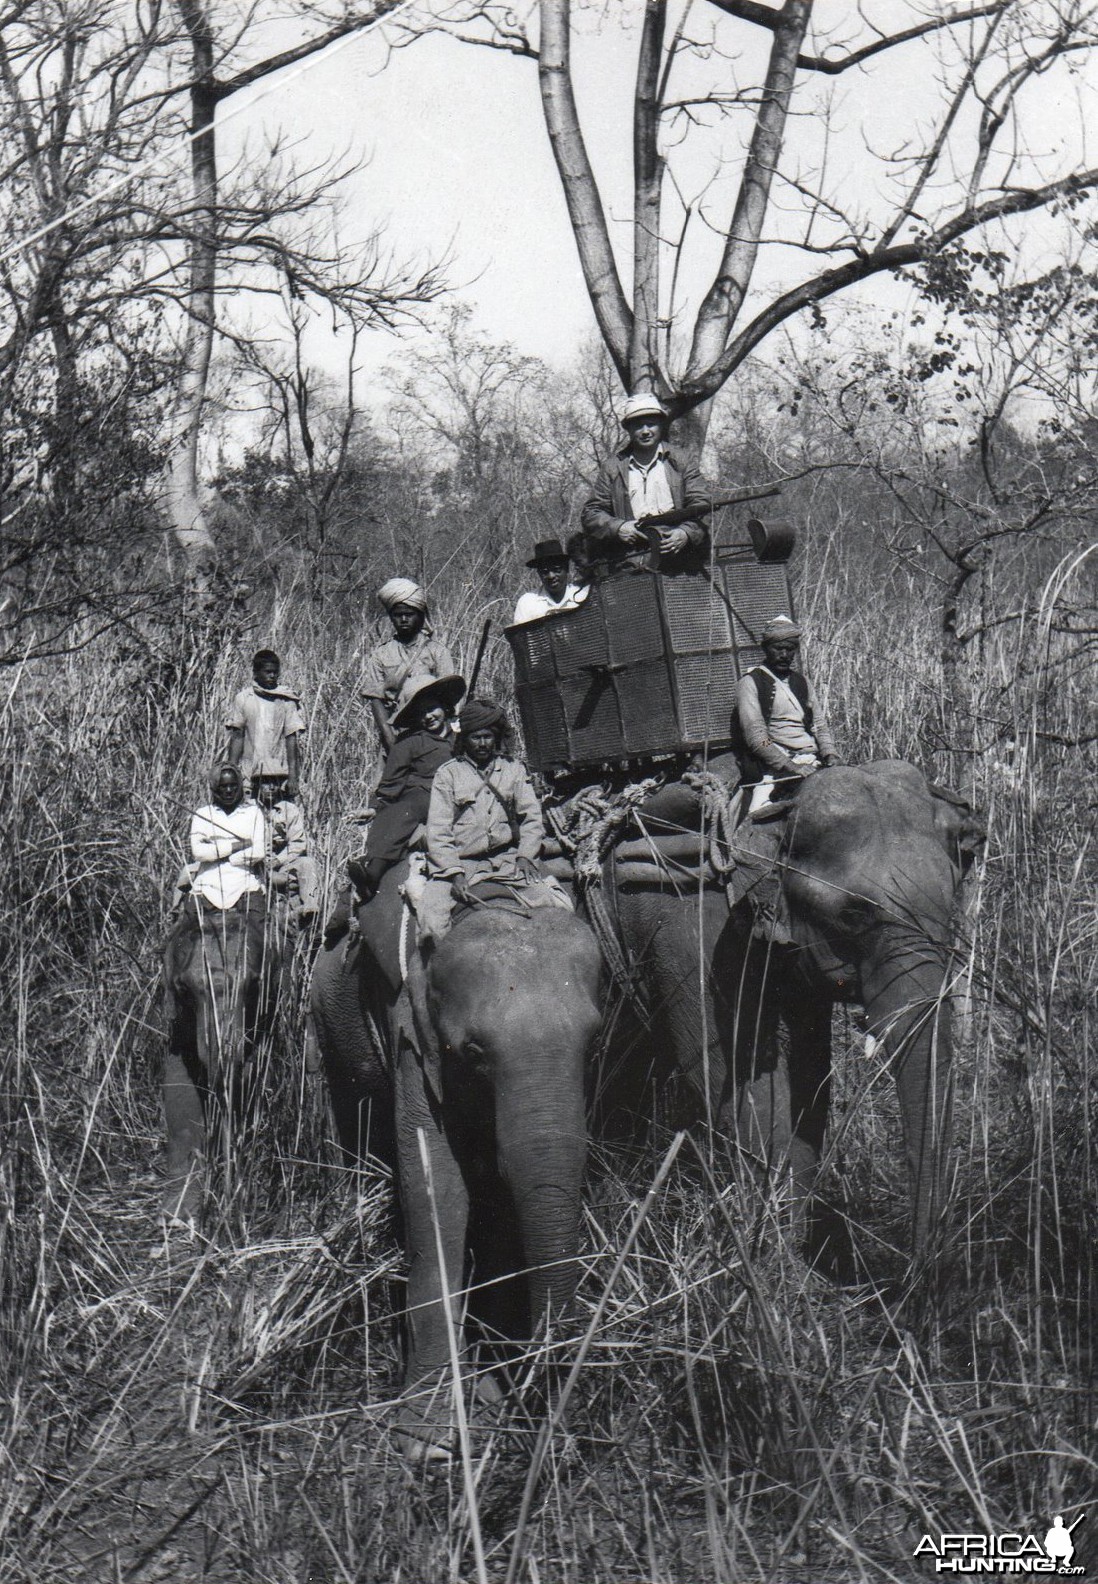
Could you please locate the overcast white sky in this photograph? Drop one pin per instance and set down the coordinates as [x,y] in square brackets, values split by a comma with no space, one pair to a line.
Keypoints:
[454,155]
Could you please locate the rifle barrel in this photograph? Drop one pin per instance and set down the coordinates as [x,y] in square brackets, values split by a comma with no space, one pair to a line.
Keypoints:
[481,646]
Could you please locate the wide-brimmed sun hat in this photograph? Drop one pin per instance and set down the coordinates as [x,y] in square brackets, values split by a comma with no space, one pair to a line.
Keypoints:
[421,689]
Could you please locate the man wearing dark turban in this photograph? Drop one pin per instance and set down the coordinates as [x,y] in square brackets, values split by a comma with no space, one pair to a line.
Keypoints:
[484,818]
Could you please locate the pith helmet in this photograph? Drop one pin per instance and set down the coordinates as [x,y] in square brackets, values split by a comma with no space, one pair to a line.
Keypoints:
[642,405]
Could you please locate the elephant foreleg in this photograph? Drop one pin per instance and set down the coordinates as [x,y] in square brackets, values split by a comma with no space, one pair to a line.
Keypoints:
[783,1066]
[185,1098]
[808,1022]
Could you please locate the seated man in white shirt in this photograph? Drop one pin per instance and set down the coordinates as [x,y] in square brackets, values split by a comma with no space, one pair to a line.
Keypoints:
[551,562]
[228,845]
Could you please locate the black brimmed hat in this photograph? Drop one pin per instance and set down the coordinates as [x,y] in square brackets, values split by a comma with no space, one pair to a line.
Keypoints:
[547,550]
[420,689]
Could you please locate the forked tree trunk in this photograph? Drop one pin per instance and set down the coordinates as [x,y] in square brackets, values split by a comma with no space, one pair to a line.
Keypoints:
[188,521]
[689,432]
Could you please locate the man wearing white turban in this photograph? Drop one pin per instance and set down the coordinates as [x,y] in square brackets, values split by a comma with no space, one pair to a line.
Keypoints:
[411,651]
[402,591]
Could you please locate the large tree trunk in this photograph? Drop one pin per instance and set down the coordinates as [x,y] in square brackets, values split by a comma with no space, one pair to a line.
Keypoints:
[691,429]
[581,192]
[644,370]
[188,521]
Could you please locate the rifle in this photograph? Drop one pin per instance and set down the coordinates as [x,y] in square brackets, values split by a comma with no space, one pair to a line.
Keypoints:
[676,515]
[477,663]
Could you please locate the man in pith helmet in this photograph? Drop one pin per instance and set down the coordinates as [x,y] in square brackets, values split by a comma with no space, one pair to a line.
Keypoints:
[646,479]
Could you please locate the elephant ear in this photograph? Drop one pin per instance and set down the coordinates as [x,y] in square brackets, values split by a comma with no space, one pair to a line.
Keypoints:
[961,828]
[170,976]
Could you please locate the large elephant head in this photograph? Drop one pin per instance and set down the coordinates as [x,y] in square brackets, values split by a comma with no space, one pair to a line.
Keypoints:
[514,1008]
[217,978]
[872,861]
[486,1046]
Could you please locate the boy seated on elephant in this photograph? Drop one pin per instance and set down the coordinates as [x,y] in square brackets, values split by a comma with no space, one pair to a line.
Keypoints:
[484,825]
[291,870]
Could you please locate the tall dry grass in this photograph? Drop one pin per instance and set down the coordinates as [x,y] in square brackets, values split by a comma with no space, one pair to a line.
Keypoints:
[219,1413]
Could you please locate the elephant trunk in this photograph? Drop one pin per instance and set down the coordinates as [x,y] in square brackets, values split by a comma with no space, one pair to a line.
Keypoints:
[906,998]
[542,1151]
[220,1025]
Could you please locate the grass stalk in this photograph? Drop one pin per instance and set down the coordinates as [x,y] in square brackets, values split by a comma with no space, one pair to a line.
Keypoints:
[458,1386]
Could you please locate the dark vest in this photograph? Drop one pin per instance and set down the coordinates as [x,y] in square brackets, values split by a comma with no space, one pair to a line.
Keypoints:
[753,769]
[795,682]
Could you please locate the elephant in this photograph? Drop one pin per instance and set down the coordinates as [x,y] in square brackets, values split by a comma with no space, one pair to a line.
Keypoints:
[481,1055]
[871,858]
[222,981]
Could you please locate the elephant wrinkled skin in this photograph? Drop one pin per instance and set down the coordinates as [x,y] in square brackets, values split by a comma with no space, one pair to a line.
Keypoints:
[871,860]
[488,1049]
[222,975]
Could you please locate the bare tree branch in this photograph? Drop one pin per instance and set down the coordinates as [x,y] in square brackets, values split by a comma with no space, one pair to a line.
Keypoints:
[578,181]
[648,169]
[226,86]
[765,16]
[724,299]
[899,256]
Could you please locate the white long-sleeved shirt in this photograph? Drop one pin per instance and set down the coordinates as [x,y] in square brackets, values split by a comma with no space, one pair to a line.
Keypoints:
[224,876]
[536,604]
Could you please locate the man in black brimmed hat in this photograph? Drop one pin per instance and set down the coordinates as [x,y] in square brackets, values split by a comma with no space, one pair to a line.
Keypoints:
[551,561]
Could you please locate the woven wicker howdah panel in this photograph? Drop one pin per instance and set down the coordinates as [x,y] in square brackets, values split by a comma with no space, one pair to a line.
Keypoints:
[647,666]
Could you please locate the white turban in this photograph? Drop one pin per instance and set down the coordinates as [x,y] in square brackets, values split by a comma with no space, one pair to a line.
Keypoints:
[402,591]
